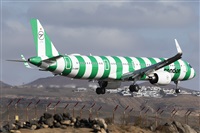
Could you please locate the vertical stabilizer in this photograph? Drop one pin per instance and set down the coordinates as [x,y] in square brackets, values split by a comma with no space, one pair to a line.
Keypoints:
[44,47]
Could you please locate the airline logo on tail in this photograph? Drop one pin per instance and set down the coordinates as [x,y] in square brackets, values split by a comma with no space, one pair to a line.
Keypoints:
[41,35]
[109,71]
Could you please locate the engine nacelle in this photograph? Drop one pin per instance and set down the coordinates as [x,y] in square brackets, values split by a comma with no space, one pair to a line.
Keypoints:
[161,78]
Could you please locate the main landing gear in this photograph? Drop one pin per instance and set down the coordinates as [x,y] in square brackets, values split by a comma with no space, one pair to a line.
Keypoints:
[177,90]
[134,88]
[102,88]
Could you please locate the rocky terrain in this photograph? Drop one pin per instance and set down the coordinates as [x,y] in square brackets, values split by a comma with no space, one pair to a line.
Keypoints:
[60,123]
[138,114]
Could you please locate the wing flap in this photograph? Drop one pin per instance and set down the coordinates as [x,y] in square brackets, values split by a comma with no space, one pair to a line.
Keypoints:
[147,70]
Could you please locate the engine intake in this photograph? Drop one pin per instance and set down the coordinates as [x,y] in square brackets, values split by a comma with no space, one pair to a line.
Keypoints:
[161,78]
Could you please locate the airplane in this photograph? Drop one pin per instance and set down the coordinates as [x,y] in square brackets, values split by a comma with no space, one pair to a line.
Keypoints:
[109,71]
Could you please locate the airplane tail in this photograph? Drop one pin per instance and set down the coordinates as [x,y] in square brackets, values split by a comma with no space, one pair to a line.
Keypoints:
[44,47]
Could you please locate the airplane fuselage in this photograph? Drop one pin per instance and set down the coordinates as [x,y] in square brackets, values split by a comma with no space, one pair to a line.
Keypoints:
[113,67]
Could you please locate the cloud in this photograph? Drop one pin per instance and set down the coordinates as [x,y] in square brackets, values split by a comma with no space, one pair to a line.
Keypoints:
[16,39]
[95,40]
[124,15]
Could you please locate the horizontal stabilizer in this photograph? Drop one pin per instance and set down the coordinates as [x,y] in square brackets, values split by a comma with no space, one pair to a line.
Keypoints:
[23,61]
[26,62]
[17,60]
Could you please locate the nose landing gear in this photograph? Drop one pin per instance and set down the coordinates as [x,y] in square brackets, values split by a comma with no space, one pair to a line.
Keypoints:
[177,90]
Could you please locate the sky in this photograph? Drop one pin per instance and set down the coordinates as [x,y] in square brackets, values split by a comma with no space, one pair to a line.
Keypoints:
[123,28]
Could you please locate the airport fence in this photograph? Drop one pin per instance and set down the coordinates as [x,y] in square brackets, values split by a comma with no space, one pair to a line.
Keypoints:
[21,110]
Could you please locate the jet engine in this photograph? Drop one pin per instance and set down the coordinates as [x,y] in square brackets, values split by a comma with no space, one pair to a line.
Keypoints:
[160,78]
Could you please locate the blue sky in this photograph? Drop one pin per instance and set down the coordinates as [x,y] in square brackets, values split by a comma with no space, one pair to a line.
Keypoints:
[136,28]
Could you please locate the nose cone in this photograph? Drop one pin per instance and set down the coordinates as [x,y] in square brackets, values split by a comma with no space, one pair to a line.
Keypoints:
[194,73]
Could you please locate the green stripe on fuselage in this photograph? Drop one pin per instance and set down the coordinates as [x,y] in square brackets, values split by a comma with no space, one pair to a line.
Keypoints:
[119,67]
[162,59]
[188,69]
[177,72]
[130,64]
[68,61]
[52,67]
[106,72]
[94,67]
[142,65]
[82,67]
[152,60]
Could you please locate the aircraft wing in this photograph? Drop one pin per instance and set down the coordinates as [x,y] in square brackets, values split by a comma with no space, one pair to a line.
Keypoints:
[147,70]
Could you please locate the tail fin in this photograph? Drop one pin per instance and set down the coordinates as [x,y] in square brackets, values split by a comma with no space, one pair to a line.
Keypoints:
[44,47]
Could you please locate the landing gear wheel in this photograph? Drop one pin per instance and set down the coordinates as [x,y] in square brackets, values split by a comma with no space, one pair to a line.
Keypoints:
[131,88]
[134,88]
[177,91]
[103,90]
[102,87]
[98,90]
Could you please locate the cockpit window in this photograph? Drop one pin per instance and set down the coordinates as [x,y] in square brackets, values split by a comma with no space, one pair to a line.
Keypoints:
[189,65]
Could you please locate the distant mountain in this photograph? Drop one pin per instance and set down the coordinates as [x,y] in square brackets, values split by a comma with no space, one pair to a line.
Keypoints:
[4,85]
[62,81]
[59,80]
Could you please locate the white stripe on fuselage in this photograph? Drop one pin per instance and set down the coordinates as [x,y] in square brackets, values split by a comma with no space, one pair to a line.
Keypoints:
[88,66]
[171,66]
[147,61]
[100,67]
[75,66]
[125,66]
[136,63]
[182,70]
[113,68]
[60,65]
[192,73]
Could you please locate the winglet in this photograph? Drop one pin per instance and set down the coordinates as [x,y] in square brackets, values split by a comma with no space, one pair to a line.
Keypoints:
[178,47]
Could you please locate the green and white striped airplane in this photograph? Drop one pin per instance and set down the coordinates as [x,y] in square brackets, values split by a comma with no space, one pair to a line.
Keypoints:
[109,71]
